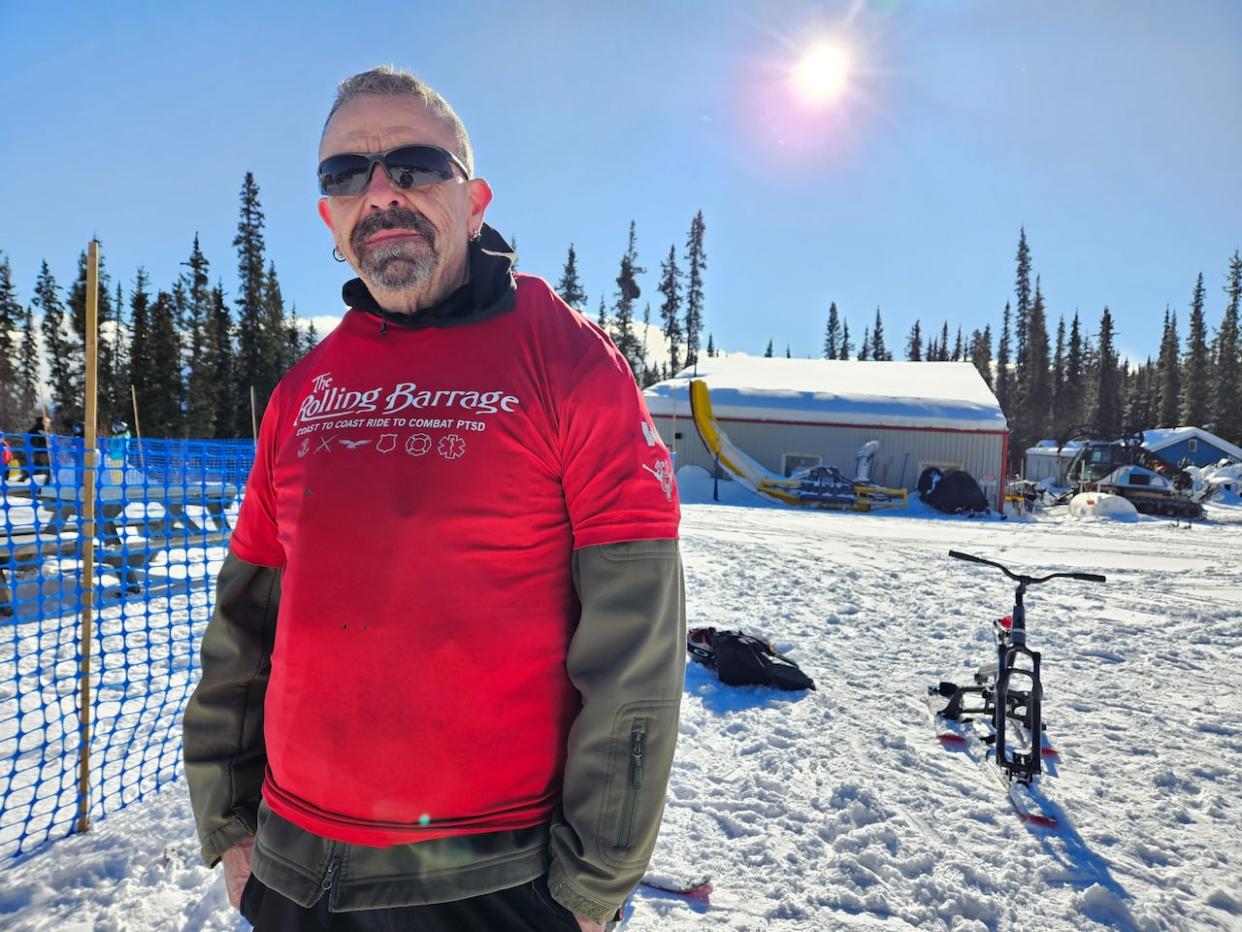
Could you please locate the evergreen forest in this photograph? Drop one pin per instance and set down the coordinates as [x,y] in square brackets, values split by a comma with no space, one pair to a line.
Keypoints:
[191,354]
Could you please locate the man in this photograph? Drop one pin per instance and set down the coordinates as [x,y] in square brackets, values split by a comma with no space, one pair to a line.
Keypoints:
[441,683]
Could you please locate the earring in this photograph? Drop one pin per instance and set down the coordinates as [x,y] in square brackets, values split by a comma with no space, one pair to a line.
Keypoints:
[337,254]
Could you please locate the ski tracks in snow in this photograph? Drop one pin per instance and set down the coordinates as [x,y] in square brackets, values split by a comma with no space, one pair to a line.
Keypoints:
[839,807]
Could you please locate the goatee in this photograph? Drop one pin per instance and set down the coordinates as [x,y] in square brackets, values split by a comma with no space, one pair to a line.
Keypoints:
[396,265]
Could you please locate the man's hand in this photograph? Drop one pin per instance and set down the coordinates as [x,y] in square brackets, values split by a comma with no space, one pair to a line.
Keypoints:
[589,925]
[236,863]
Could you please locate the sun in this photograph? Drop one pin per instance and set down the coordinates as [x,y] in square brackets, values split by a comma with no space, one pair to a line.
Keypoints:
[822,74]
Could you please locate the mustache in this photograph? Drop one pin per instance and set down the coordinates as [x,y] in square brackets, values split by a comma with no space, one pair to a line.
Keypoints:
[391,219]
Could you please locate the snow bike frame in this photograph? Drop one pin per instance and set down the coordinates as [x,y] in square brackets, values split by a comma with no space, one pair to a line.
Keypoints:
[1006,701]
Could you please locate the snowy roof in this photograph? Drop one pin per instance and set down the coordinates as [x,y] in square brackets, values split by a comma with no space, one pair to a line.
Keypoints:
[1050,448]
[1157,440]
[948,395]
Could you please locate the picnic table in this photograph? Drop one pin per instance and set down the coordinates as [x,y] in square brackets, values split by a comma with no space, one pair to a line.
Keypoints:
[112,501]
[127,526]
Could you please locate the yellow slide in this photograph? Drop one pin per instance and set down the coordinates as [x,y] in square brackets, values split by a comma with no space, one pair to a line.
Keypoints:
[759,480]
[741,467]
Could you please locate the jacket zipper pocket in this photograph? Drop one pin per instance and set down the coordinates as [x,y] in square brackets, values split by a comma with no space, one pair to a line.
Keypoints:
[330,875]
[638,741]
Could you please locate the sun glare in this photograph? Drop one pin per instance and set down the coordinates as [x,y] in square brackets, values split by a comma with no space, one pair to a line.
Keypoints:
[822,74]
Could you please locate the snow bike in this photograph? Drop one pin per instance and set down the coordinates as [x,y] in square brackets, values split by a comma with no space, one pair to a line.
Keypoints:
[1009,691]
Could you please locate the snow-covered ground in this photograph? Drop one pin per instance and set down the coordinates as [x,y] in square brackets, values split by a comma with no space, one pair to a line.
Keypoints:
[839,808]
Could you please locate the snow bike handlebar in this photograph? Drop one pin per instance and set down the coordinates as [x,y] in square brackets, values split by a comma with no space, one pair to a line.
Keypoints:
[1026,580]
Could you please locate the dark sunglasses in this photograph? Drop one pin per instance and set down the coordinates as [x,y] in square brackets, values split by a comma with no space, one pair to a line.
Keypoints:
[407,167]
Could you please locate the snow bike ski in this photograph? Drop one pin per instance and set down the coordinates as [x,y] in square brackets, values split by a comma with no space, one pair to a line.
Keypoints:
[695,888]
[1005,701]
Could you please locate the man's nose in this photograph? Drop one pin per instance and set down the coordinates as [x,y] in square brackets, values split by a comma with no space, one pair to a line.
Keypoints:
[380,192]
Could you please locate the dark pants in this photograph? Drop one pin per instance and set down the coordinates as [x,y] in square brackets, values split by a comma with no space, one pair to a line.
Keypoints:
[526,908]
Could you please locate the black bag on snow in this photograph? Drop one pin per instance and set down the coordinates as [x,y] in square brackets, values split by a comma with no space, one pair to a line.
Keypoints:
[744,660]
[954,492]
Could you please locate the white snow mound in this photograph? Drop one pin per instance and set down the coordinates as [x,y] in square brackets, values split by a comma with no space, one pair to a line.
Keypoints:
[1102,505]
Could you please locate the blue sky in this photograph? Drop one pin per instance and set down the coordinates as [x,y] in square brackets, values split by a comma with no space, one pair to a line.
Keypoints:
[1108,129]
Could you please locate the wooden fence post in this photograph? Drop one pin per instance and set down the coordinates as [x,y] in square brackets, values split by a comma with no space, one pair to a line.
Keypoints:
[86,532]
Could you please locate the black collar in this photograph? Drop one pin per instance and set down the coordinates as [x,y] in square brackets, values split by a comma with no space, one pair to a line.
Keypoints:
[491,290]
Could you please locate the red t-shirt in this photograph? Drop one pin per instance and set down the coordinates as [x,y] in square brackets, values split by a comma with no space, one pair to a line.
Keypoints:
[423,490]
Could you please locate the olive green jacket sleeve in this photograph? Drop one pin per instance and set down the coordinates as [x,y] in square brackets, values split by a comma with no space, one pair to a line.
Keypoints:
[627,660]
[225,755]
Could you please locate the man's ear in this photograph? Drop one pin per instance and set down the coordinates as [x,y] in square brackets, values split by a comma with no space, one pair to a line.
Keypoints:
[480,197]
[326,216]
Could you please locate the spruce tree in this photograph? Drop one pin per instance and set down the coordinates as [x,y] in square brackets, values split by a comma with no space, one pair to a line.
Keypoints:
[914,344]
[767,354]
[622,331]
[1003,377]
[846,346]
[161,406]
[942,347]
[832,335]
[711,348]
[1059,421]
[310,338]
[278,356]
[1108,402]
[602,317]
[1141,397]
[1034,391]
[788,354]
[232,417]
[1090,381]
[293,336]
[1169,379]
[142,377]
[121,401]
[1074,409]
[864,349]
[981,353]
[200,363]
[670,308]
[58,344]
[696,263]
[12,412]
[879,351]
[569,287]
[1196,374]
[959,348]
[1022,289]
[1227,371]
[28,366]
[253,354]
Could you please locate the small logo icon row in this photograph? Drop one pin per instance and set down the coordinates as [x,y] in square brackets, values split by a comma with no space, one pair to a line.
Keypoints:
[450,446]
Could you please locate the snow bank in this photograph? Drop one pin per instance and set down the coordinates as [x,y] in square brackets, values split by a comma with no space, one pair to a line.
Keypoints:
[1102,505]
[695,486]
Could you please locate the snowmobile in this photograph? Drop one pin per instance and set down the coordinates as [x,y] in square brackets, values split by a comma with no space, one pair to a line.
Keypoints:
[828,487]
[1127,468]
[1006,697]
[823,485]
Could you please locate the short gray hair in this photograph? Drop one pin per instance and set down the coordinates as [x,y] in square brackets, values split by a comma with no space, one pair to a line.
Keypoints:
[388,81]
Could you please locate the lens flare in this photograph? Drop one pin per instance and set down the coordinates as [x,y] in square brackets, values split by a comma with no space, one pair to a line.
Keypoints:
[822,74]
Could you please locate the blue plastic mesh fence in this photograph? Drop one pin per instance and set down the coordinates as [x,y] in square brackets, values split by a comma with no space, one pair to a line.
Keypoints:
[164,510]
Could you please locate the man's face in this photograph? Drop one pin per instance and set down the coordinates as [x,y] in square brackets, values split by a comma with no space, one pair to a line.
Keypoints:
[407,244]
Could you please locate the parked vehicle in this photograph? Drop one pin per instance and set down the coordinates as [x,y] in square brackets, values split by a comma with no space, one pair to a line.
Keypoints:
[1126,468]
